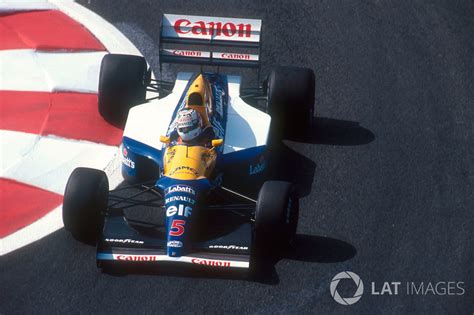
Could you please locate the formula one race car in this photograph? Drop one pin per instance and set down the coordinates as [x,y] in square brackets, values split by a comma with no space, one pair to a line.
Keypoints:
[201,151]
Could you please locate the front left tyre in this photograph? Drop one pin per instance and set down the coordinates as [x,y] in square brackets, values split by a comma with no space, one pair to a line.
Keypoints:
[85,202]
[290,101]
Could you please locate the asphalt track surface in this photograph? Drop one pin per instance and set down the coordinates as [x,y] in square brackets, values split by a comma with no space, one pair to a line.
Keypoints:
[387,180]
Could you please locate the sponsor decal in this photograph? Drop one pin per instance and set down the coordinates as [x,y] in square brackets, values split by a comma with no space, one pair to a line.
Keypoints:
[219,101]
[188,53]
[209,262]
[211,28]
[123,241]
[176,244]
[258,168]
[229,29]
[235,56]
[229,247]
[177,227]
[136,257]
[184,168]
[180,210]
[218,129]
[180,198]
[181,189]
[128,162]
[219,95]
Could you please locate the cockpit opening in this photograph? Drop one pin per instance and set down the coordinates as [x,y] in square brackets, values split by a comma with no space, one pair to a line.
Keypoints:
[195,99]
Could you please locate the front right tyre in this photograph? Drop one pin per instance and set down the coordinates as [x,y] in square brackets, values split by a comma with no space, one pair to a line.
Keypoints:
[276,220]
[123,82]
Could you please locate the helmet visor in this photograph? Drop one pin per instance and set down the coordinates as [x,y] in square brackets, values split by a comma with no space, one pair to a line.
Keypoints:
[188,128]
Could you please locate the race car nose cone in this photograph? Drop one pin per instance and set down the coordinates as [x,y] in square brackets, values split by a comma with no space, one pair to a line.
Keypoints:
[174,248]
[180,200]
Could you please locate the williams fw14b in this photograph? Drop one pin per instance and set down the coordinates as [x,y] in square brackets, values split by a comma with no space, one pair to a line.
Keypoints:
[196,158]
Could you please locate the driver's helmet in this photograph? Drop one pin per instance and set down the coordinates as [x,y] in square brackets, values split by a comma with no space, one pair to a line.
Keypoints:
[188,124]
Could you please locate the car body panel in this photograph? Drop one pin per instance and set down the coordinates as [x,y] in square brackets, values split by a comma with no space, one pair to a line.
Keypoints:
[188,162]
[247,127]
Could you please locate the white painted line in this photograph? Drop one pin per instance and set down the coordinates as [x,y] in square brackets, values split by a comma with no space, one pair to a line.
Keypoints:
[106,33]
[29,70]
[53,221]
[14,146]
[22,5]
[37,160]
[48,224]
[50,162]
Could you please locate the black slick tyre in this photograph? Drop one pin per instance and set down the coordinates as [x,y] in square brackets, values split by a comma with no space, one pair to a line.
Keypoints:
[85,201]
[290,92]
[122,84]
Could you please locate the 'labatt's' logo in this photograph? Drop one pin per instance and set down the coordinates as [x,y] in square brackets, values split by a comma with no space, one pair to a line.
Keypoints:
[181,189]
[259,167]
[126,160]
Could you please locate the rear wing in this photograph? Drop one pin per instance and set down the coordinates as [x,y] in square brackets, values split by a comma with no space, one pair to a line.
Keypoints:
[242,35]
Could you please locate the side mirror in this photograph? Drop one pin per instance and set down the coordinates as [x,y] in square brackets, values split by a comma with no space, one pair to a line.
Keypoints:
[165,139]
[217,142]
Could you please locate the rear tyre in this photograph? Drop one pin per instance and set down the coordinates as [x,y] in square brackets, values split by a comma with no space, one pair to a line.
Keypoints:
[290,92]
[276,219]
[122,85]
[85,201]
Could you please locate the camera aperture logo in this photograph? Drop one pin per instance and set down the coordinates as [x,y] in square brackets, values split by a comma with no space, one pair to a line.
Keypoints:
[346,300]
[392,288]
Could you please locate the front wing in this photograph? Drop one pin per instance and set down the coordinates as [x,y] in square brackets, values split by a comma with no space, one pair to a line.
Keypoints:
[203,259]
[126,241]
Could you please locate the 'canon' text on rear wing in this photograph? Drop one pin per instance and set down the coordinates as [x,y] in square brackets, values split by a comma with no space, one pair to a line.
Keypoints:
[241,34]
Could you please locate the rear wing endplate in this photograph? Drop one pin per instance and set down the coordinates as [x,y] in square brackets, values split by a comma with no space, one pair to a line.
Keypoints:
[243,35]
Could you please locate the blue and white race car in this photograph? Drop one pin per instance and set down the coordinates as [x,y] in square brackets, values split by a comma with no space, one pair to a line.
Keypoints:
[199,149]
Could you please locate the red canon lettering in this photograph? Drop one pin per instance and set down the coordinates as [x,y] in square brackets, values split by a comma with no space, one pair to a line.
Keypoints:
[217,27]
[213,28]
[136,258]
[210,262]
[188,53]
[236,56]
[199,28]
[177,26]
[229,29]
